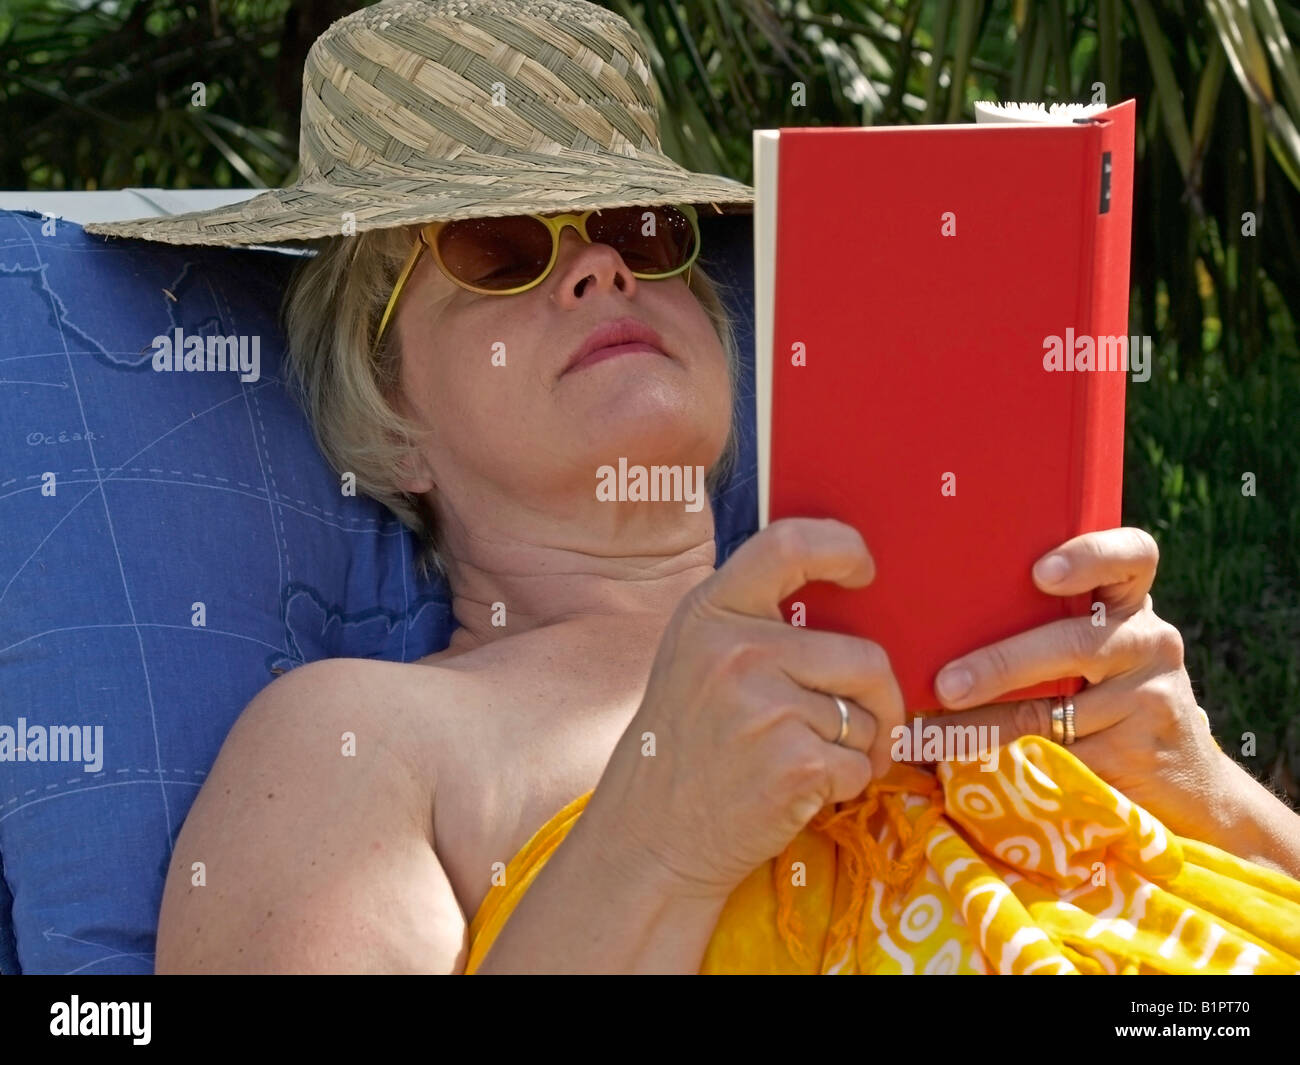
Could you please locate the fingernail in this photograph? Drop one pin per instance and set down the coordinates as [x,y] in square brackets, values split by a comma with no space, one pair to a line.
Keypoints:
[954,683]
[1052,569]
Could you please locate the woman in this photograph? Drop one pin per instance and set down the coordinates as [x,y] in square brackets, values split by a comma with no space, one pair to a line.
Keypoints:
[475,375]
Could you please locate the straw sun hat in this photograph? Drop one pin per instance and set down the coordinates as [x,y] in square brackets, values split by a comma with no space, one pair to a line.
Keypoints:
[435,110]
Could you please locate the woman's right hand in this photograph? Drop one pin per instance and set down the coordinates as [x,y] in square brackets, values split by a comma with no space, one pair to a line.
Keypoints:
[740,713]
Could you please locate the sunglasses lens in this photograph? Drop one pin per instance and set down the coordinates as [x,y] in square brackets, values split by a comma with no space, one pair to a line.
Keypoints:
[495,253]
[651,240]
[500,254]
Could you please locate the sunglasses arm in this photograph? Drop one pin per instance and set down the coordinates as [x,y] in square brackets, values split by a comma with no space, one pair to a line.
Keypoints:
[402,278]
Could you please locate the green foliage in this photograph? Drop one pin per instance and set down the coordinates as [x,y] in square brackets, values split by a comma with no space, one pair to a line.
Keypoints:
[1229,571]
[99,96]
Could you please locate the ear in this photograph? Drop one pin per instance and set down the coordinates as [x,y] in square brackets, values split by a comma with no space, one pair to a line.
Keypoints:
[414,475]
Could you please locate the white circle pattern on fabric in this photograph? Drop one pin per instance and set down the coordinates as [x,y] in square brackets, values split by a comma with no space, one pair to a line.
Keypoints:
[978,801]
[1020,851]
[946,961]
[921,917]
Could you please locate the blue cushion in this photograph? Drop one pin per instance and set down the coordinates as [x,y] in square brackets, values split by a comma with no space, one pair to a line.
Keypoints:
[169,543]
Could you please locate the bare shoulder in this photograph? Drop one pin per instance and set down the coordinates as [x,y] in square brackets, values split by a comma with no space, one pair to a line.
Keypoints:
[309,847]
[371,701]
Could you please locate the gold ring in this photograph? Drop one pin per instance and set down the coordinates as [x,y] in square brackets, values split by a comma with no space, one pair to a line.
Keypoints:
[1068,722]
[1058,721]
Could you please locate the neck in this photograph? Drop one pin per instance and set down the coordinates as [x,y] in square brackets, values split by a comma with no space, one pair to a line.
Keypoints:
[504,584]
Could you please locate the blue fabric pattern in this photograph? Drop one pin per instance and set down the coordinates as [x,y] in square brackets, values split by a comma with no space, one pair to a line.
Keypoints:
[169,543]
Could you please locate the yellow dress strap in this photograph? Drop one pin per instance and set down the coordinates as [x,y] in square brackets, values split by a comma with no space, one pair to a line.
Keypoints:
[503,897]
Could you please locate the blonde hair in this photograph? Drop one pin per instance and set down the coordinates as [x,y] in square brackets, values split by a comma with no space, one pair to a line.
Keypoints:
[331,313]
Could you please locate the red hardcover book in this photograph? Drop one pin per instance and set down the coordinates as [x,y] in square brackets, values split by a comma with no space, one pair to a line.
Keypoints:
[932,305]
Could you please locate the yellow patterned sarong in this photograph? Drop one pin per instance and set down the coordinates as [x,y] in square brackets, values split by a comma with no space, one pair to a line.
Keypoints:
[1037,867]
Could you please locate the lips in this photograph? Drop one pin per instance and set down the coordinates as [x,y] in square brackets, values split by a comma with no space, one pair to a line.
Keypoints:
[614,338]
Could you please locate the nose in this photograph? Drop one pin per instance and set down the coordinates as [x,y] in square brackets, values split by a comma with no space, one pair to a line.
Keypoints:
[584,268]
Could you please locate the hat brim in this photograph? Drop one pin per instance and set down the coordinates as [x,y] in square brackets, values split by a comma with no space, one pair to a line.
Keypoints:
[468,187]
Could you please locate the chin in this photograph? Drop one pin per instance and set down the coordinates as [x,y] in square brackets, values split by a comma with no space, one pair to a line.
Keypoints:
[658,444]
[650,412]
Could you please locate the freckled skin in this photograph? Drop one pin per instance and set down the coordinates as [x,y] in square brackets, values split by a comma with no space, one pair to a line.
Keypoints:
[510,721]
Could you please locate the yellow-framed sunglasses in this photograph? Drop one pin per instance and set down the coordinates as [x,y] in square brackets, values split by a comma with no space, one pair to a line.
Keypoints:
[507,255]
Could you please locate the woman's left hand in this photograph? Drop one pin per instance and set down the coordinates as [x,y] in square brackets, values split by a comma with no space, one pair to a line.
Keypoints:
[1138,724]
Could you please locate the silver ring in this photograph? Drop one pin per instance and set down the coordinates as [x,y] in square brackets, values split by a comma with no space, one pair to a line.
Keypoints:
[1068,722]
[1058,720]
[843,708]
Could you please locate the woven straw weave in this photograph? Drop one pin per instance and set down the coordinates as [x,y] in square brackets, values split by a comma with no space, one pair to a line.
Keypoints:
[421,110]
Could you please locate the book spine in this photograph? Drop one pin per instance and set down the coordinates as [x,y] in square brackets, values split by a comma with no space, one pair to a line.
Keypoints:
[1101,441]
[1099,404]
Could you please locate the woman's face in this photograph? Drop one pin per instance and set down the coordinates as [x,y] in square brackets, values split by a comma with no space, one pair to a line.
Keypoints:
[490,379]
